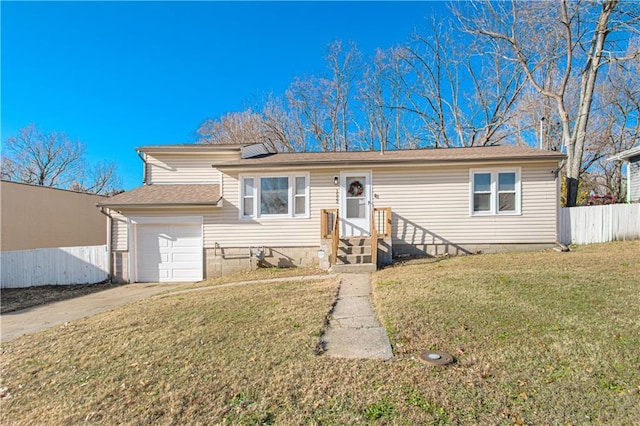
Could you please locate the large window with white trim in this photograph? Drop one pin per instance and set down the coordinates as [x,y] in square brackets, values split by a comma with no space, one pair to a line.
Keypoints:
[274,196]
[494,192]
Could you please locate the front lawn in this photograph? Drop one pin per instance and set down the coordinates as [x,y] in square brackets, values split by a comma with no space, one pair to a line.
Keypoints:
[540,337]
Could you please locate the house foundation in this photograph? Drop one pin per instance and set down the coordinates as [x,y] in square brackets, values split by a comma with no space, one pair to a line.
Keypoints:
[119,267]
[221,261]
[431,250]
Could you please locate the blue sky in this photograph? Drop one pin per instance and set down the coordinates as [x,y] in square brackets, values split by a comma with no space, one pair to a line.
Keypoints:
[117,75]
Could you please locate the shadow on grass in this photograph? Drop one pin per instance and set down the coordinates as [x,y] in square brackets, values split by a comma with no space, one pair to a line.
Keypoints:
[17,299]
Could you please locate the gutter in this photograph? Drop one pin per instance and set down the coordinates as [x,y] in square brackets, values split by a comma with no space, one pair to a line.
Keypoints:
[190,149]
[109,225]
[387,163]
[111,206]
[143,157]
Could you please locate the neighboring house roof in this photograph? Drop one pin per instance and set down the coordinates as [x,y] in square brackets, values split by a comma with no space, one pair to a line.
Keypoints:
[626,155]
[166,195]
[420,156]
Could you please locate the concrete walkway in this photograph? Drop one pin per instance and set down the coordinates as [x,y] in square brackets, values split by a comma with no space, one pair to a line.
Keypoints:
[354,330]
[30,320]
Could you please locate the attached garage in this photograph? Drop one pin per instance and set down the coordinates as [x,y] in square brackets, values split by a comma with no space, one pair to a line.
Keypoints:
[169,252]
[157,229]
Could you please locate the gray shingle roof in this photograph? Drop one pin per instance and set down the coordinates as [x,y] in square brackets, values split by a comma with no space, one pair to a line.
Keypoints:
[168,195]
[473,154]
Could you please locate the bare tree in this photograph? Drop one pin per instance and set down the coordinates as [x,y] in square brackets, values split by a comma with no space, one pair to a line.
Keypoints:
[344,65]
[385,123]
[321,105]
[246,127]
[102,178]
[306,102]
[535,121]
[52,159]
[233,128]
[377,121]
[616,128]
[570,39]
[457,91]
[284,126]
[46,159]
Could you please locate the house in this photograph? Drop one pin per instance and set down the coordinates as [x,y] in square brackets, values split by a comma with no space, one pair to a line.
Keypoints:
[632,158]
[206,210]
[42,217]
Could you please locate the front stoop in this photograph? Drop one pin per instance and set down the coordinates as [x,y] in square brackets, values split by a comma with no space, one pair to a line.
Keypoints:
[354,256]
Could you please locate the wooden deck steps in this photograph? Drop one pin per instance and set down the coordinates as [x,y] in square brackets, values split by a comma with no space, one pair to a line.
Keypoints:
[354,255]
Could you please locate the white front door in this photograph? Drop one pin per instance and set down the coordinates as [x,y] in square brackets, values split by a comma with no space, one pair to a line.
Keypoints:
[355,204]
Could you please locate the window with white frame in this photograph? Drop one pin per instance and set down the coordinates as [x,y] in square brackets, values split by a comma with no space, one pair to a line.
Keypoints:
[275,196]
[248,197]
[495,192]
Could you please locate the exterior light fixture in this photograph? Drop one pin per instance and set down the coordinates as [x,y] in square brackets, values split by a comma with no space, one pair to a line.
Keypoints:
[336,181]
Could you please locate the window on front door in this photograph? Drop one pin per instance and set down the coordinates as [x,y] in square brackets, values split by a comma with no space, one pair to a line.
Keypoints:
[356,197]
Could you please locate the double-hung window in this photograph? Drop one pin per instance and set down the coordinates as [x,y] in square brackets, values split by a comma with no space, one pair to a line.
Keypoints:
[494,192]
[274,196]
[248,197]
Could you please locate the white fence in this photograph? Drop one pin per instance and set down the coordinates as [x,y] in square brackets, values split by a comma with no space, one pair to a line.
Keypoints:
[599,224]
[56,266]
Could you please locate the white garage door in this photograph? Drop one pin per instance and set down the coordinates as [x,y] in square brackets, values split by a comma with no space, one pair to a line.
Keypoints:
[169,252]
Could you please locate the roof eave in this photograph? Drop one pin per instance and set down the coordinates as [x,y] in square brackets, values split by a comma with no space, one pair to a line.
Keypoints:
[196,149]
[625,155]
[155,205]
[388,163]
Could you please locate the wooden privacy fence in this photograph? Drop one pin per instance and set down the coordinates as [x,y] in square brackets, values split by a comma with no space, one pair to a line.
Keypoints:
[54,266]
[599,224]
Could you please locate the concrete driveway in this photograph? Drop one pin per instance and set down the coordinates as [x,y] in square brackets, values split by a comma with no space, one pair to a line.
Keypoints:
[16,324]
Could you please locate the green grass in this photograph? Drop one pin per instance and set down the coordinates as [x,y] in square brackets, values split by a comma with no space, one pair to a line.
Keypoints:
[540,338]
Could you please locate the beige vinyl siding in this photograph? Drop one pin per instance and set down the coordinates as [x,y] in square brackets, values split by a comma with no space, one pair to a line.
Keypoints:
[231,231]
[119,241]
[176,168]
[634,179]
[209,215]
[431,206]
[223,226]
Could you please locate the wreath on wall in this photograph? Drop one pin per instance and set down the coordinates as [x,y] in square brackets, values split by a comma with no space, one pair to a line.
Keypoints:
[355,189]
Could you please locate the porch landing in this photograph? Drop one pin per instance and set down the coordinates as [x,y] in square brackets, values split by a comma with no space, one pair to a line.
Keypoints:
[353,268]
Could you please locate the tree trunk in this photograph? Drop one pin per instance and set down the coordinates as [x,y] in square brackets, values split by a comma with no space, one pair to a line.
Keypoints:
[571,188]
[589,75]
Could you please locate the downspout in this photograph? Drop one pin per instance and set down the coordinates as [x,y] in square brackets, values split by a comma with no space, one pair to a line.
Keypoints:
[109,263]
[560,245]
[143,157]
[221,177]
[628,196]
